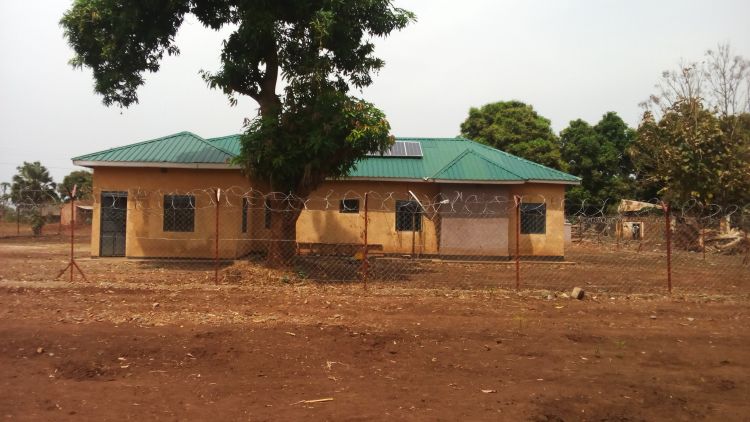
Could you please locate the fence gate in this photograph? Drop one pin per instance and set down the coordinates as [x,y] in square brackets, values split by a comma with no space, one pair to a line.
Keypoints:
[113,212]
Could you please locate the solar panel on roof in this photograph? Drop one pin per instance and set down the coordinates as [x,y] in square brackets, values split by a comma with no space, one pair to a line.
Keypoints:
[413,149]
[398,149]
[401,149]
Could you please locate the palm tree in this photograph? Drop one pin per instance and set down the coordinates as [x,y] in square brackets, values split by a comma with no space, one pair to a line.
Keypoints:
[32,189]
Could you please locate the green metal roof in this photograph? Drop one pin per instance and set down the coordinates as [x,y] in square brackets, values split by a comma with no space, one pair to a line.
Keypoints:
[183,148]
[449,159]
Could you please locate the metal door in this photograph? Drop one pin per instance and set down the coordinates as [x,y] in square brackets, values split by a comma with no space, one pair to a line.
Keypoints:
[113,213]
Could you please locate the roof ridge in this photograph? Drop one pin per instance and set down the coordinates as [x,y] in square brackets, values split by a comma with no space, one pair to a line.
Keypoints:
[409,138]
[184,132]
[222,137]
[519,158]
[468,151]
[216,147]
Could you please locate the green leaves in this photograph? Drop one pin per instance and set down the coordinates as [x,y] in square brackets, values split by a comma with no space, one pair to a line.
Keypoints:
[598,155]
[32,185]
[516,128]
[321,49]
[320,133]
[690,153]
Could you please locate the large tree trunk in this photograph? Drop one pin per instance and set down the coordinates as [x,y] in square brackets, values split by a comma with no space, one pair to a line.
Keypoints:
[282,245]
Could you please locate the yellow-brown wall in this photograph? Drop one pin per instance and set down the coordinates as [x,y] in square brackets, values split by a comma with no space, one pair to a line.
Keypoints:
[144,230]
[320,222]
[552,243]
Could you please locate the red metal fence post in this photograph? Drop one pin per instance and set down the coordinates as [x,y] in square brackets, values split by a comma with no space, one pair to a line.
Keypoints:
[72,264]
[668,233]
[72,233]
[365,263]
[216,246]
[517,200]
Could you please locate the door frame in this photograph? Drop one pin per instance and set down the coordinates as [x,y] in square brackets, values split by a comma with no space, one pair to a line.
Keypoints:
[113,194]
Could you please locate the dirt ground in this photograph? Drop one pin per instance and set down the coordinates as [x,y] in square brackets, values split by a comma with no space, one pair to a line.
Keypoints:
[144,341]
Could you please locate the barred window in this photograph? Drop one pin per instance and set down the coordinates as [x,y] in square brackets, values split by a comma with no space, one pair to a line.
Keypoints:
[179,213]
[245,206]
[533,218]
[408,216]
[349,206]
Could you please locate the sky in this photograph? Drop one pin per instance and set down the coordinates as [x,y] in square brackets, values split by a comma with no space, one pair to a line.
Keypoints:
[570,59]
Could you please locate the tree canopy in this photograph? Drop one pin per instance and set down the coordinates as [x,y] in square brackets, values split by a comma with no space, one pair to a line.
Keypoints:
[516,128]
[81,178]
[599,155]
[321,49]
[692,154]
[32,186]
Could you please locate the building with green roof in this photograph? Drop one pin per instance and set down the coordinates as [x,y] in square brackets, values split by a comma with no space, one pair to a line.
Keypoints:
[442,180]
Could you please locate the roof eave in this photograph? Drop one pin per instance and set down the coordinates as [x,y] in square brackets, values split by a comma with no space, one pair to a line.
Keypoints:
[156,164]
[480,182]
[556,182]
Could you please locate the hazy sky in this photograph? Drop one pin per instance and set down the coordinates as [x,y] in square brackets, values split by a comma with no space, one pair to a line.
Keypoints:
[569,59]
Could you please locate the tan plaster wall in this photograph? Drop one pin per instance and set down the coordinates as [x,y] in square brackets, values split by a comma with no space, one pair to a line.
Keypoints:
[552,243]
[144,230]
[321,222]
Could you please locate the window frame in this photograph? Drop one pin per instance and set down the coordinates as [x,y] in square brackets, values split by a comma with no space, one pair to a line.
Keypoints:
[349,209]
[405,220]
[533,216]
[179,218]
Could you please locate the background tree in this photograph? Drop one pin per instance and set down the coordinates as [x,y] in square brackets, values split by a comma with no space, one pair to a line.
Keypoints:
[82,178]
[720,79]
[4,199]
[599,155]
[516,128]
[687,155]
[320,48]
[695,131]
[31,190]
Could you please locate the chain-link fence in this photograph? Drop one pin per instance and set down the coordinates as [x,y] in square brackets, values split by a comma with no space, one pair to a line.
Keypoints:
[452,240]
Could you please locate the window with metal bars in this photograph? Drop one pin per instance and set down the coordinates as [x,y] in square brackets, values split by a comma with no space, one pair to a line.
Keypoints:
[408,216]
[349,206]
[179,213]
[533,218]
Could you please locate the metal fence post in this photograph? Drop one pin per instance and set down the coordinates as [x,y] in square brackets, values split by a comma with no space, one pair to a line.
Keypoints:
[18,220]
[744,226]
[668,234]
[216,246]
[517,200]
[365,262]
[72,264]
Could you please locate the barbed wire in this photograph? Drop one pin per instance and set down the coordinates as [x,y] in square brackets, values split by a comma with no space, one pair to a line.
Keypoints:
[467,234]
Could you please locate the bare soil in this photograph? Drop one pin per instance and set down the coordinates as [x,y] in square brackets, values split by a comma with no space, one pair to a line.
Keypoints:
[183,349]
